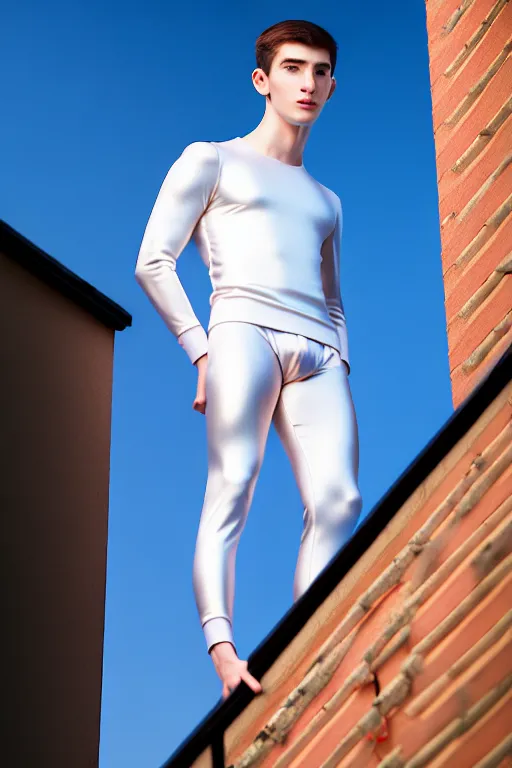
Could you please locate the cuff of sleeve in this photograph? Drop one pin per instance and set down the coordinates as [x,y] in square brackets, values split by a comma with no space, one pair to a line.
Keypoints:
[194,342]
[218,630]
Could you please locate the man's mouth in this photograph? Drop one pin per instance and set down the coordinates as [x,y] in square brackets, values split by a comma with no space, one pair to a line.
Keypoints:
[307,103]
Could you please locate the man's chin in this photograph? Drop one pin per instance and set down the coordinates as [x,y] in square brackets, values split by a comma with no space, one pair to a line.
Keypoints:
[306,122]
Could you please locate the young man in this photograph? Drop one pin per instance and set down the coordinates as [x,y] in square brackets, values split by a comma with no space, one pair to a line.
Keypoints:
[277,348]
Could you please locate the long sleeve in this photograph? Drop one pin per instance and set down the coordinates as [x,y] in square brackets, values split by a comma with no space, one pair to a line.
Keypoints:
[183,198]
[330,268]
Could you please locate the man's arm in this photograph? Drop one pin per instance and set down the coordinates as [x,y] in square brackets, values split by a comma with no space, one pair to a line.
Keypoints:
[330,269]
[183,197]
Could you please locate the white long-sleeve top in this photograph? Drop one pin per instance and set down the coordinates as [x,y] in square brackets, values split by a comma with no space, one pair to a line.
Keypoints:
[269,234]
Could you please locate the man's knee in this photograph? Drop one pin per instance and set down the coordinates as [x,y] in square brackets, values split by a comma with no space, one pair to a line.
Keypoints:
[339,506]
[240,471]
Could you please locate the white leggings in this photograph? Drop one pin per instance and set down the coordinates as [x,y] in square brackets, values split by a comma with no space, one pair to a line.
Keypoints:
[257,375]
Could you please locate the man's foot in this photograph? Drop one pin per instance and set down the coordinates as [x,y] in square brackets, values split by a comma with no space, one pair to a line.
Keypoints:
[231,669]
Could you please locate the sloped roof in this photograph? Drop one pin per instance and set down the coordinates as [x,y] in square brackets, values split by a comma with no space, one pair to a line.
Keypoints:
[400,650]
[17,247]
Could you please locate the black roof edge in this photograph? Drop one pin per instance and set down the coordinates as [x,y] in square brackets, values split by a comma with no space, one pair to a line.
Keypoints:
[267,652]
[35,260]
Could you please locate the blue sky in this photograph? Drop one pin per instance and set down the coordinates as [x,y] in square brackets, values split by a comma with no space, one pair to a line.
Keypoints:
[99,100]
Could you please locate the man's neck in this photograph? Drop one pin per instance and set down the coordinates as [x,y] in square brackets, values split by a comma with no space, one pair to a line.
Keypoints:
[281,140]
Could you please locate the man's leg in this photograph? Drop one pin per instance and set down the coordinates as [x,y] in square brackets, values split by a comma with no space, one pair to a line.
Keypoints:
[316,421]
[243,383]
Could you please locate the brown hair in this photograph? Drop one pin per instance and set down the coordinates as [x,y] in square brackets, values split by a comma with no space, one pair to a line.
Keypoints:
[293,31]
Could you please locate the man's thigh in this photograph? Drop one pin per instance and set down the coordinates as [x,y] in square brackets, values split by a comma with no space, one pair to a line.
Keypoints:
[316,422]
[243,383]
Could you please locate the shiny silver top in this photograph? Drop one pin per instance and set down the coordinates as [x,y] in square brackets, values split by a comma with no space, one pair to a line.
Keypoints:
[268,232]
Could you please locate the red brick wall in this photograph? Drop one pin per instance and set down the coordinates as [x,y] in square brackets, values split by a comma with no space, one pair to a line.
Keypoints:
[470,48]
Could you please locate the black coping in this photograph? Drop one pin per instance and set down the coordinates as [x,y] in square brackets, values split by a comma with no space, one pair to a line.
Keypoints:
[210,730]
[52,272]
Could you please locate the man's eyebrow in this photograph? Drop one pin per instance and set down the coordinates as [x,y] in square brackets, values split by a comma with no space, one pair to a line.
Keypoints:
[302,61]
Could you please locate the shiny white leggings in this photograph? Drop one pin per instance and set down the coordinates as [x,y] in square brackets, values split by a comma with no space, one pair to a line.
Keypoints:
[257,375]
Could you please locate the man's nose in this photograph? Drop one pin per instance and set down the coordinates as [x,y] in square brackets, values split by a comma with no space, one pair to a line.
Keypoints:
[309,83]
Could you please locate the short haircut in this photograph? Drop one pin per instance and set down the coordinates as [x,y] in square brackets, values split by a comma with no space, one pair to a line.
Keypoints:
[293,31]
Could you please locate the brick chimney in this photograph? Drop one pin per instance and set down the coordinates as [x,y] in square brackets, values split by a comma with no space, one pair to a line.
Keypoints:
[470,48]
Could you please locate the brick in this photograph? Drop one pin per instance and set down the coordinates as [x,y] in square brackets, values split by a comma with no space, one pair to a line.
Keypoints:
[463,383]
[439,12]
[450,142]
[465,636]
[330,736]
[464,692]
[494,497]
[449,92]
[461,283]
[362,756]
[457,189]
[463,342]
[474,745]
[458,587]
[444,50]
[457,233]
[491,230]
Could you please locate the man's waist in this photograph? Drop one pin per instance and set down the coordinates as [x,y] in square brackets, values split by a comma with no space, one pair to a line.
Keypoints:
[312,321]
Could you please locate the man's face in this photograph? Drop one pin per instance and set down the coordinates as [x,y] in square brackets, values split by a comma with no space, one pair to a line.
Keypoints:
[300,73]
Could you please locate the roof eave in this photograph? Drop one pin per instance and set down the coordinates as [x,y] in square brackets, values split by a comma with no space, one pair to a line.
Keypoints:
[17,247]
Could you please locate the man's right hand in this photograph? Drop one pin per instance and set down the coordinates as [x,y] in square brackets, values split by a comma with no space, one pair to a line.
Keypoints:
[231,669]
[199,403]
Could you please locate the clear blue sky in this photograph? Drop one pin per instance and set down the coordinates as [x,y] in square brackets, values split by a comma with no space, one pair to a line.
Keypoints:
[99,100]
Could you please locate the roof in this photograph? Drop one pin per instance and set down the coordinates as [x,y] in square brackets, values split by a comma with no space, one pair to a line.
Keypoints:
[52,272]
[416,568]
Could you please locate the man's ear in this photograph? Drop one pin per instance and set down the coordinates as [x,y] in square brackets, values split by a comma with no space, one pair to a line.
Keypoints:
[260,82]
[333,88]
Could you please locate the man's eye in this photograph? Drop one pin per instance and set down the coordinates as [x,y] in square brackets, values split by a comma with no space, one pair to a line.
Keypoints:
[291,66]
